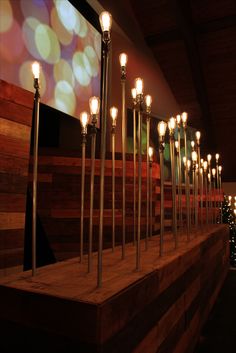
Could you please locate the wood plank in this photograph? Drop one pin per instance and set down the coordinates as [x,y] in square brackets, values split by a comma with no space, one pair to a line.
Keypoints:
[15,147]
[12,220]
[16,94]
[15,130]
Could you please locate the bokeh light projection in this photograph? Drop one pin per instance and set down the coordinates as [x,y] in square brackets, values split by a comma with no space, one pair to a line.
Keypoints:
[66,45]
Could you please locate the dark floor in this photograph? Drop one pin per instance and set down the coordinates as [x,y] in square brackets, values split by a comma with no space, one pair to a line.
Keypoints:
[219,333]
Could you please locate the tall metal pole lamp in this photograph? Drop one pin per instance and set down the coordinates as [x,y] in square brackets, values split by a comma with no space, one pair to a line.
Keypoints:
[161,128]
[36,72]
[194,163]
[179,159]
[198,136]
[201,195]
[150,153]
[84,122]
[148,102]
[134,95]
[214,193]
[206,191]
[220,191]
[94,105]
[184,118]
[171,126]
[123,62]
[188,183]
[177,162]
[113,113]
[105,19]
[139,91]
[209,181]
[193,190]
[217,156]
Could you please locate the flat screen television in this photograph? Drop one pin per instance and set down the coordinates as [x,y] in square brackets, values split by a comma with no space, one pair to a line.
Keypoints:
[65,43]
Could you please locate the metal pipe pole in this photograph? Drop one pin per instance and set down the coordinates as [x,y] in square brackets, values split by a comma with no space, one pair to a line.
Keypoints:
[187,191]
[35,173]
[180,180]
[106,42]
[82,199]
[210,197]
[162,217]
[174,215]
[214,200]
[134,182]
[220,187]
[206,197]
[150,198]
[201,196]
[123,79]
[196,197]
[148,183]
[113,187]
[139,184]
[93,146]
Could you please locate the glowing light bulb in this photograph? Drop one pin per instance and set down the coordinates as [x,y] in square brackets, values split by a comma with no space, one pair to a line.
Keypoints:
[188,164]
[184,160]
[205,166]
[220,169]
[113,113]
[192,144]
[178,119]
[134,93]
[150,153]
[94,105]
[217,157]
[209,158]
[194,156]
[202,160]
[84,118]
[105,19]
[36,69]
[213,172]
[177,145]
[123,58]
[161,128]
[230,197]
[172,124]
[139,85]
[184,118]
[198,135]
[148,100]
[209,177]
[201,171]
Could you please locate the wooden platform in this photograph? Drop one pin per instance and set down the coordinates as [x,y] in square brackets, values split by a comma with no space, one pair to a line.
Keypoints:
[158,309]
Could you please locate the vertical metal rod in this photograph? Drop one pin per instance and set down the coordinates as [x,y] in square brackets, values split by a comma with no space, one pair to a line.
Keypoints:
[134,182]
[113,189]
[180,181]
[206,198]
[139,187]
[148,183]
[196,197]
[210,204]
[217,188]
[162,217]
[199,193]
[214,200]
[193,194]
[93,145]
[187,196]
[220,191]
[123,164]
[102,159]
[82,201]
[174,220]
[201,198]
[177,174]
[35,174]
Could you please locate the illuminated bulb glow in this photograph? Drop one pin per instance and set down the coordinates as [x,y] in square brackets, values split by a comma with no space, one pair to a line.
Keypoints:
[194,156]
[177,145]
[192,144]
[123,58]
[113,113]
[171,124]
[139,86]
[230,197]
[105,19]
[148,100]
[205,165]
[201,170]
[150,152]
[198,135]
[184,117]
[197,166]
[220,169]
[184,160]
[235,211]
[209,176]
[188,164]
[202,160]
[161,128]
[217,156]
[84,119]
[36,69]
[94,105]
[213,172]
[178,119]
[134,93]
[209,158]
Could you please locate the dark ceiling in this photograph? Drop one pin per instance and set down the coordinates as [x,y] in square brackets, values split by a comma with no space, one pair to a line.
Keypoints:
[194,43]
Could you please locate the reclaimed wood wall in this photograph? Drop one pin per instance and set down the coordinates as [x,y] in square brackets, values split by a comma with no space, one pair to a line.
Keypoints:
[16,107]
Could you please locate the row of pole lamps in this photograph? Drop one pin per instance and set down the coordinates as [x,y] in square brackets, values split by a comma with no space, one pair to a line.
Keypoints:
[202,173]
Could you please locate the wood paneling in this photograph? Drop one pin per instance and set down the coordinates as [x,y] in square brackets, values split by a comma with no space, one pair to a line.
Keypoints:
[16,106]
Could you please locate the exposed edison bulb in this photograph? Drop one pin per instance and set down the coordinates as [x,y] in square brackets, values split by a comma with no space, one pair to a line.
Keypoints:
[194,156]
[198,135]
[202,160]
[178,119]
[84,118]
[192,144]
[184,160]
[230,197]
[94,105]
[188,164]
[171,124]
[36,69]
[235,211]
[217,157]
[148,100]
[209,158]
[205,166]
[123,58]
[105,19]
[161,128]
[184,118]
[134,93]
[197,166]
[113,113]
[201,171]
[213,172]
[220,169]
[209,177]
[150,153]
[177,145]
[139,85]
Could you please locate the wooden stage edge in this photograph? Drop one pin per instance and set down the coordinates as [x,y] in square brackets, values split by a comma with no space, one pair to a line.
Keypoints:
[159,309]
